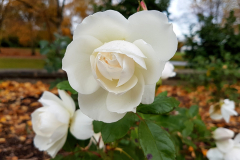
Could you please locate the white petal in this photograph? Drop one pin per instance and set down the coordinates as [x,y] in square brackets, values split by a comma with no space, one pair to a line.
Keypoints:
[227,112]
[98,139]
[81,126]
[111,86]
[234,154]
[225,145]
[214,115]
[237,139]
[94,106]
[223,134]
[56,147]
[103,70]
[128,68]
[126,48]
[44,122]
[76,63]
[214,154]
[168,71]
[229,103]
[68,101]
[127,101]
[153,27]
[105,26]
[55,106]
[148,94]
[43,143]
[153,64]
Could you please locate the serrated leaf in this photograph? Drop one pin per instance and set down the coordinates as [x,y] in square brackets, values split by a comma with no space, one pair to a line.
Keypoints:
[97,126]
[64,85]
[161,105]
[113,131]
[155,142]
[188,128]
[193,111]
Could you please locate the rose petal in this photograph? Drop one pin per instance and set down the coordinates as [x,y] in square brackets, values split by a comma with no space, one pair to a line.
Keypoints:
[43,143]
[234,154]
[168,71]
[94,106]
[153,64]
[214,154]
[126,48]
[148,94]
[225,145]
[127,101]
[227,112]
[128,68]
[76,63]
[111,86]
[153,28]
[105,26]
[81,126]
[98,138]
[56,147]
[214,115]
[44,122]
[223,134]
[237,139]
[55,106]
[68,101]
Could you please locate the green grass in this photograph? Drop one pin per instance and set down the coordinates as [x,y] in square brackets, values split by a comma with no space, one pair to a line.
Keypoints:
[18,63]
[177,57]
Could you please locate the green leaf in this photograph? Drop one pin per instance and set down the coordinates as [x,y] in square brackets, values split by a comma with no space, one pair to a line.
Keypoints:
[134,134]
[97,126]
[188,128]
[64,85]
[113,131]
[193,111]
[155,142]
[161,105]
[172,122]
[163,93]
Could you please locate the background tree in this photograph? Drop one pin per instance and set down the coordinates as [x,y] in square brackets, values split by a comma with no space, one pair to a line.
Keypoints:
[129,7]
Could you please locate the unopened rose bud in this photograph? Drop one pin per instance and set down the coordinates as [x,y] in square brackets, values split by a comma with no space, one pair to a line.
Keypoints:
[142,6]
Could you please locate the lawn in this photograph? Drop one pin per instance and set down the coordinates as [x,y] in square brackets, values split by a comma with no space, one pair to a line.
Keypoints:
[18,63]
[177,57]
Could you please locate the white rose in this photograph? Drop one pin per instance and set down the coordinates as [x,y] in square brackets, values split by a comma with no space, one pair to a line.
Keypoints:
[51,122]
[168,71]
[224,109]
[227,148]
[114,62]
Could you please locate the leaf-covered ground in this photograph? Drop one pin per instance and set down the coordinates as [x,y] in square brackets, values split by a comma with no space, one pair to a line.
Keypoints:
[19,100]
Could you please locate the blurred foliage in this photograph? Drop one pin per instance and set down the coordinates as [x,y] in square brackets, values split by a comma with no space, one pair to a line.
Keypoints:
[54,52]
[129,7]
[215,49]
[155,135]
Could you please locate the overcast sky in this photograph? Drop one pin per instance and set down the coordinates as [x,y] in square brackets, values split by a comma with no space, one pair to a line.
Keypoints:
[181,17]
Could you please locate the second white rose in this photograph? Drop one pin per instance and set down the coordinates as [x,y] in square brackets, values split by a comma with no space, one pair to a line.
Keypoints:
[114,62]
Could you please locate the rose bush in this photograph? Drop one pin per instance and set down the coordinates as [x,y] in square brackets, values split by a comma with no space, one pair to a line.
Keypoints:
[114,62]
[51,122]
